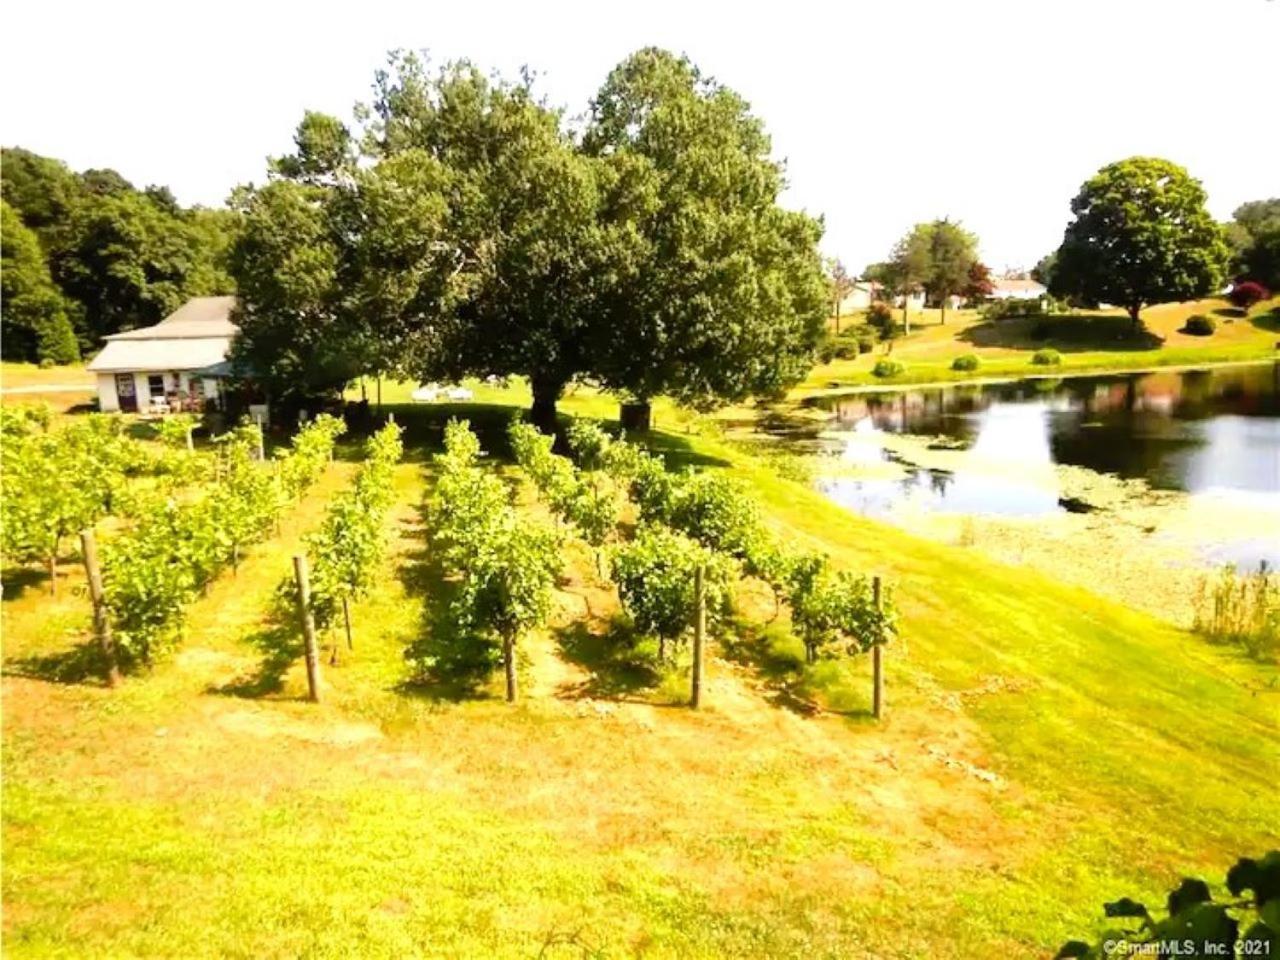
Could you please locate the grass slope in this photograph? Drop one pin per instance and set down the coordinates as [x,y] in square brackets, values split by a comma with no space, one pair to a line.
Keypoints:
[1045,750]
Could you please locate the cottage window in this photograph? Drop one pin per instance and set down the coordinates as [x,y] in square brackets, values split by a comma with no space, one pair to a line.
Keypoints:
[155,386]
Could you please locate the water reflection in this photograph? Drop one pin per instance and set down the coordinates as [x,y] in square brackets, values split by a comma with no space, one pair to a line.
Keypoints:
[1198,431]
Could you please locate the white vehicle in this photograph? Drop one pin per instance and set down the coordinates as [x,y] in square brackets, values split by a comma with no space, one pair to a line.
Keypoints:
[432,392]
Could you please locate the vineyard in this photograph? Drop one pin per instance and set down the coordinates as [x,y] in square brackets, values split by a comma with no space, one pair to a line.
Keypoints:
[606,587]
[691,537]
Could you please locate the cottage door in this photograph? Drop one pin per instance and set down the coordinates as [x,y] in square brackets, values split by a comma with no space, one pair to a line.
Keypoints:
[126,393]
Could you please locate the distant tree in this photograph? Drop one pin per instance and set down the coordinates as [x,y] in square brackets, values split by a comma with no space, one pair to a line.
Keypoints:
[1255,238]
[1044,270]
[1246,293]
[42,191]
[126,261]
[724,296]
[120,257]
[34,319]
[978,285]
[909,266]
[1140,235]
[842,284]
[953,251]
[164,199]
[285,262]
[325,154]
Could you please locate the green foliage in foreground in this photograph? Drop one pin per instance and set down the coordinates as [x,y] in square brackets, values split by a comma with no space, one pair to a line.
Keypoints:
[1196,926]
[655,573]
[57,482]
[836,614]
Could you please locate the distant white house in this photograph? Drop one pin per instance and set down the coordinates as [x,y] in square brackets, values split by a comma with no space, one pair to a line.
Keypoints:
[1005,288]
[865,292]
[178,364]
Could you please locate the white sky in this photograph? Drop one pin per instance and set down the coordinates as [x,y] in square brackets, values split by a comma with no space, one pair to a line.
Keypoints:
[887,113]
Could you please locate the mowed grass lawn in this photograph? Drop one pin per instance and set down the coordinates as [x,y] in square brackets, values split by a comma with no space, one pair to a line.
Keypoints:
[1103,340]
[1045,750]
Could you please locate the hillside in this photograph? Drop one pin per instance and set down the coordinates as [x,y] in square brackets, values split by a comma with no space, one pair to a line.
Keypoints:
[1045,750]
[1103,340]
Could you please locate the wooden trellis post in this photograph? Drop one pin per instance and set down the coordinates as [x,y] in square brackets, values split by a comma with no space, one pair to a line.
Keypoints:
[101,622]
[308,628]
[699,635]
[877,661]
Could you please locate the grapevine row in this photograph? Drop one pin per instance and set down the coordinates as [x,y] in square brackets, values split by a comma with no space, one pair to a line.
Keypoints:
[152,572]
[506,566]
[345,550]
[834,613]
[59,481]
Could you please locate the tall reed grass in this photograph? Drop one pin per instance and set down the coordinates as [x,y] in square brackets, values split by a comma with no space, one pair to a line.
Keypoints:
[1241,608]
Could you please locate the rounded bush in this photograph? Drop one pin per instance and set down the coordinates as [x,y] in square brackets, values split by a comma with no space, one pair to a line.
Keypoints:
[966,361]
[866,345]
[1245,294]
[1200,326]
[1046,358]
[887,368]
[847,350]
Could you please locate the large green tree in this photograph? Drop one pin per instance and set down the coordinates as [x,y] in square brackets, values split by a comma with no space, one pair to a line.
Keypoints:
[953,251]
[343,268]
[467,231]
[727,297]
[1140,235]
[536,231]
[34,320]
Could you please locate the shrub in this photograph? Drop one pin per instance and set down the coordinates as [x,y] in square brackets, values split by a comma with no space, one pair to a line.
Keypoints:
[880,317]
[887,368]
[847,351]
[1245,294]
[1199,326]
[1046,358]
[966,361]
[1015,307]
[1237,926]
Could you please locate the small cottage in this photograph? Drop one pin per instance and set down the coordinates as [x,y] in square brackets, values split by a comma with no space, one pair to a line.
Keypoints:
[178,364]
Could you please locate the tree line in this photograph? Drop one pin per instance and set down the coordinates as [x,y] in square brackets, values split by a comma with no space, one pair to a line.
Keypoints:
[1140,234]
[88,254]
[462,226]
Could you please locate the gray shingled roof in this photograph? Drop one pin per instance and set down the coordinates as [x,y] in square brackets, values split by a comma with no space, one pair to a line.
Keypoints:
[195,336]
[198,317]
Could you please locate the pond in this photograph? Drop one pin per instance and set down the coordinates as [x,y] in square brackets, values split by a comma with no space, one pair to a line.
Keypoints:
[1210,433]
